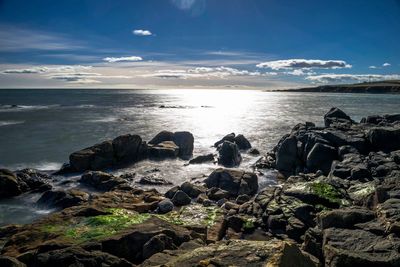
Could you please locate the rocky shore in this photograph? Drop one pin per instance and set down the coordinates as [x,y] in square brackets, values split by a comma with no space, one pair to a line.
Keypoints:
[337,203]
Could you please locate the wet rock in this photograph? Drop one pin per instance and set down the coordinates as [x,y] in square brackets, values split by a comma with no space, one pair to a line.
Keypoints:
[254,151]
[202,159]
[101,180]
[242,142]
[165,206]
[217,194]
[183,140]
[75,256]
[151,180]
[166,149]
[181,198]
[161,137]
[336,115]
[157,244]
[171,192]
[97,157]
[321,157]
[384,138]
[229,155]
[235,182]
[286,156]
[229,137]
[128,148]
[193,190]
[63,199]
[9,186]
[344,218]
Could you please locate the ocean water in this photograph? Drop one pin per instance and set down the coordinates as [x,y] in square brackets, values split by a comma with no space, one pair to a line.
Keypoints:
[40,128]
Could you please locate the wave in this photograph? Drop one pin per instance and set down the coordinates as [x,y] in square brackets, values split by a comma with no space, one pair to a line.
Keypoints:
[41,166]
[5,123]
[12,108]
[107,119]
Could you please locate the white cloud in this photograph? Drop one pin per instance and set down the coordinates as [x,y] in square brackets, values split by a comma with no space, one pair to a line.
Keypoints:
[184,4]
[45,69]
[202,72]
[84,77]
[372,67]
[142,32]
[342,78]
[299,72]
[122,59]
[288,64]
[386,64]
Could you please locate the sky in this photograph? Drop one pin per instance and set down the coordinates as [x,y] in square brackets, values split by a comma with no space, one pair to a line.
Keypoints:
[264,44]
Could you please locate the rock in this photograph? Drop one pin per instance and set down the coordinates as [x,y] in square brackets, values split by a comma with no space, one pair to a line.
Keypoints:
[162,137]
[165,206]
[10,262]
[233,181]
[63,199]
[185,142]
[33,180]
[242,142]
[236,253]
[254,151]
[343,247]
[344,218]
[166,149]
[321,157]
[151,180]
[181,198]
[241,199]
[217,194]
[171,192]
[192,190]
[9,186]
[75,256]
[335,114]
[97,157]
[202,159]
[385,138]
[101,180]
[128,148]
[229,137]
[229,155]
[286,156]
[157,244]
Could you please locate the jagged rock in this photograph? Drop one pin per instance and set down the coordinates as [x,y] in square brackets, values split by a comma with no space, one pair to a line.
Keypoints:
[63,199]
[242,142]
[336,114]
[235,182]
[321,157]
[229,155]
[181,198]
[101,180]
[166,149]
[202,159]
[286,156]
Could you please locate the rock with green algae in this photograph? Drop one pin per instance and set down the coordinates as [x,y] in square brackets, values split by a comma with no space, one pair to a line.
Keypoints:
[236,253]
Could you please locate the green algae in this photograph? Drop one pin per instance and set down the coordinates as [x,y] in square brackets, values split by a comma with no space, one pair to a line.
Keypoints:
[249,223]
[327,191]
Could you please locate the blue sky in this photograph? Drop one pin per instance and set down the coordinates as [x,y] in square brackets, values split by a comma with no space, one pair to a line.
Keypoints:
[197,43]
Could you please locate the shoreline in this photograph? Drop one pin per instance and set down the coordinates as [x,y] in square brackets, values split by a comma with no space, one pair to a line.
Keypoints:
[336,183]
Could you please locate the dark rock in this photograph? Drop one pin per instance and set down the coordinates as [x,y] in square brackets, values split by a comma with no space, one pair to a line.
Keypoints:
[181,198]
[313,242]
[166,149]
[229,155]
[192,190]
[361,173]
[254,151]
[321,157]
[233,181]
[127,148]
[63,199]
[157,244]
[101,180]
[242,199]
[217,194]
[162,137]
[185,142]
[151,180]
[344,218]
[335,114]
[229,137]
[9,186]
[66,168]
[202,159]
[165,206]
[385,138]
[242,142]
[347,149]
[171,192]
[286,156]
[10,262]
[33,180]
[97,157]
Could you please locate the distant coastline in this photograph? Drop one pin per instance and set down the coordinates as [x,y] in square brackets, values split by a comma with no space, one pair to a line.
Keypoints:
[381,87]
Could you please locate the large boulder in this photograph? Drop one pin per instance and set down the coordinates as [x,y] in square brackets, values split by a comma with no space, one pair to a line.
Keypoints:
[183,140]
[161,137]
[229,155]
[242,142]
[286,156]
[344,218]
[385,138]
[63,199]
[336,115]
[9,186]
[101,180]
[165,149]
[97,157]
[321,157]
[235,182]
[128,148]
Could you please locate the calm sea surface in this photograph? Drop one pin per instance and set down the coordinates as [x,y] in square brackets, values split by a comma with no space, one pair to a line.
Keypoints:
[40,128]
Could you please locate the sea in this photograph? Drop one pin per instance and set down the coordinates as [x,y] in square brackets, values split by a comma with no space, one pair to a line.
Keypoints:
[39,128]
